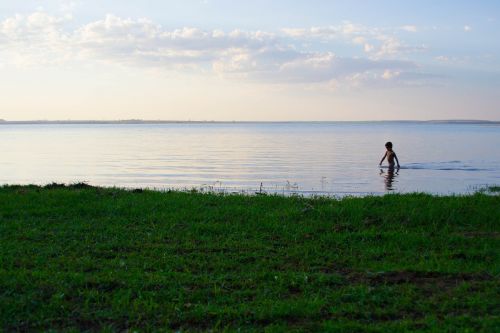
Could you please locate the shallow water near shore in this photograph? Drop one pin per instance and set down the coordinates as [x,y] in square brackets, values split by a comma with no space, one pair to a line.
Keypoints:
[322,158]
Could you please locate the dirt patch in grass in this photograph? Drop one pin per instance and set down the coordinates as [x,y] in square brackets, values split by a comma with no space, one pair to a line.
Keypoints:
[478,234]
[422,279]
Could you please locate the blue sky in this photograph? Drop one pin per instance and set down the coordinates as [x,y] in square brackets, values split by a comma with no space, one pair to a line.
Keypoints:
[250,60]
[274,14]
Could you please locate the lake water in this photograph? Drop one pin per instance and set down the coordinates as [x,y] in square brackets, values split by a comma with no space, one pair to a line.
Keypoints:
[306,158]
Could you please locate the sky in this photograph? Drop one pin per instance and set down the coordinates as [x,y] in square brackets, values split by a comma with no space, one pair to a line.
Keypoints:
[254,60]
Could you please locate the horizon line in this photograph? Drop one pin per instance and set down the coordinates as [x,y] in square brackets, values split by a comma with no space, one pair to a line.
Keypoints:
[157,121]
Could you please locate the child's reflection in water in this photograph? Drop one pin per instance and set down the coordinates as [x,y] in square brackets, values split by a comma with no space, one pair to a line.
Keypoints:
[389,177]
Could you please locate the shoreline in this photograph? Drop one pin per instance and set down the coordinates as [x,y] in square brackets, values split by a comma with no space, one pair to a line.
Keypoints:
[491,189]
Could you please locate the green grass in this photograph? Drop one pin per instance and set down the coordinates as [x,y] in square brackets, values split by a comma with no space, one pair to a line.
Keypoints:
[92,259]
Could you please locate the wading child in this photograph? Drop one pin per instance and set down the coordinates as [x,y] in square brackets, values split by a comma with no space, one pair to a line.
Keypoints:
[391,156]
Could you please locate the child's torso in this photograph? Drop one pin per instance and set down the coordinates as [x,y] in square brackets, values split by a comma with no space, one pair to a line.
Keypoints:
[390,156]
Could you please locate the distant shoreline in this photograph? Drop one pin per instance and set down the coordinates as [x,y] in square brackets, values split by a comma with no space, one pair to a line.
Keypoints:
[159,122]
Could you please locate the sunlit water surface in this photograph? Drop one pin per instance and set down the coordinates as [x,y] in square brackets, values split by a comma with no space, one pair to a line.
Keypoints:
[305,158]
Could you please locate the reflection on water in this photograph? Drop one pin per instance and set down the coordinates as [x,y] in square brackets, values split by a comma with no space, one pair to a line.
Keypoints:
[304,158]
[389,177]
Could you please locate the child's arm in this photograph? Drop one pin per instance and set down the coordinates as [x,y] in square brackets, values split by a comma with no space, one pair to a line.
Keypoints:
[396,157]
[383,158]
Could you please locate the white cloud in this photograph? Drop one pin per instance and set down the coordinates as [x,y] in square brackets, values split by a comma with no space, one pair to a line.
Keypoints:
[409,28]
[41,39]
[324,67]
[377,42]
[359,40]
[459,60]
[391,46]
[345,30]
[34,39]
[368,48]
[388,74]
[442,58]
[467,28]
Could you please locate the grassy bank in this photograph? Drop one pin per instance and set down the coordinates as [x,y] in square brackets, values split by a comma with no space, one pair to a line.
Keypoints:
[81,258]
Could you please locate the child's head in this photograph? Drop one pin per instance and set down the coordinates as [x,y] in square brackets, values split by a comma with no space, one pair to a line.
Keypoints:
[388,145]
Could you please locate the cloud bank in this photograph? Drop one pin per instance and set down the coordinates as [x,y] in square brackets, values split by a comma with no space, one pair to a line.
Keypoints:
[42,39]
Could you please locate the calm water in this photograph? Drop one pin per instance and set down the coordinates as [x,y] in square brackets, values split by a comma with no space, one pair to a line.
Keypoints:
[308,158]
